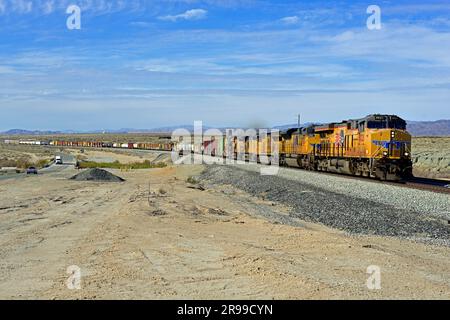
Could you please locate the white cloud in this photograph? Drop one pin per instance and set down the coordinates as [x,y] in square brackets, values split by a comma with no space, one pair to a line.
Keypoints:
[193,14]
[397,44]
[48,7]
[290,20]
[141,24]
[22,6]
[345,36]
[6,69]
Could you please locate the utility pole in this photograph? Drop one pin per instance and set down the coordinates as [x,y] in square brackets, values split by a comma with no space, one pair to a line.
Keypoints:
[298,124]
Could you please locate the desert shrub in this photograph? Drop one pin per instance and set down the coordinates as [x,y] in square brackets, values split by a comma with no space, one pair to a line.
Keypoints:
[192,180]
[7,163]
[117,165]
[23,164]
[42,163]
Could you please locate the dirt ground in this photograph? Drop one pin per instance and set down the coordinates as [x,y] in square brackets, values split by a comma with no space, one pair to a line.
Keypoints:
[156,236]
[123,156]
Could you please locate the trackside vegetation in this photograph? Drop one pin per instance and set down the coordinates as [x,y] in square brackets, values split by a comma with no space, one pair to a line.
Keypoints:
[118,165]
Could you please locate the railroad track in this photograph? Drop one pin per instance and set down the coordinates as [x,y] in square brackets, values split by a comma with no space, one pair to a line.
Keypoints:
[433,185]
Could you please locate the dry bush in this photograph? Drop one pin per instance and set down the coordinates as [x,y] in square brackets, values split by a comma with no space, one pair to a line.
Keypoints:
[192,180]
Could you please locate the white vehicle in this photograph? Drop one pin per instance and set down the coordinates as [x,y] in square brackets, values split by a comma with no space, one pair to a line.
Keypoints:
[58,160]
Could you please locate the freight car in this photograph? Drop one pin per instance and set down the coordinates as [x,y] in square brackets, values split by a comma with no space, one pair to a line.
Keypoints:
[101,144]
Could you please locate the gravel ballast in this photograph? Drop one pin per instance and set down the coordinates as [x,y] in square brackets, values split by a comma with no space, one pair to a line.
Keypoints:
[97,175]
[355,206]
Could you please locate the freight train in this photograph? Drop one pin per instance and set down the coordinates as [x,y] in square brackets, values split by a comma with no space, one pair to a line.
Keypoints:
[121,145]
[377,146]
[95,144]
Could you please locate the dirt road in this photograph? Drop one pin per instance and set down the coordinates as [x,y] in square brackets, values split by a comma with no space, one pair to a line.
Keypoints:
[154,237]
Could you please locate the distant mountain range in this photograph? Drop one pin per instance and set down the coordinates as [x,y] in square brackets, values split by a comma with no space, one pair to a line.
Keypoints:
[13,132]
[416,128]
[429,128]
[23,132]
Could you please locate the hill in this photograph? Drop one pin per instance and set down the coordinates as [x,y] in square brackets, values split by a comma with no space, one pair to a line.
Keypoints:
[416,128]
[429,128]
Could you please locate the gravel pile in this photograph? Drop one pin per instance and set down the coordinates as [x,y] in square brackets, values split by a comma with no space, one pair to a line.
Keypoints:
[97,175]
[355,209]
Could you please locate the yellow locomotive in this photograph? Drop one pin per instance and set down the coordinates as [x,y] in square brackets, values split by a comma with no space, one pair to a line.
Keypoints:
[376,146]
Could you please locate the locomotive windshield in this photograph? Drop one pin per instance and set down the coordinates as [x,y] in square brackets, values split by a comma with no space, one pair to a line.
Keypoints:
[376,124]
[397,124]
[387,124]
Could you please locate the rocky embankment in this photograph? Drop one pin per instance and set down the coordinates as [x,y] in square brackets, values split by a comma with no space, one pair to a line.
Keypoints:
[355,206]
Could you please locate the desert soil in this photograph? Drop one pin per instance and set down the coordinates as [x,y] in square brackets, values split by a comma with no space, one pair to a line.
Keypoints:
[123,156]
[11,155]
[155,236]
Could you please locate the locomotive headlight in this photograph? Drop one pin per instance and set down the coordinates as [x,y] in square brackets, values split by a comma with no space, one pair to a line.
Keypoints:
[385,153]
[392,134]
[406,154]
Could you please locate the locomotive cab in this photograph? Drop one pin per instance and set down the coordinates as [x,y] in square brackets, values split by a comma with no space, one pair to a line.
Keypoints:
[390,146]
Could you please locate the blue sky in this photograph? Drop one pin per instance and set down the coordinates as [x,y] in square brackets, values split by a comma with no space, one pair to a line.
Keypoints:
[144,64]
